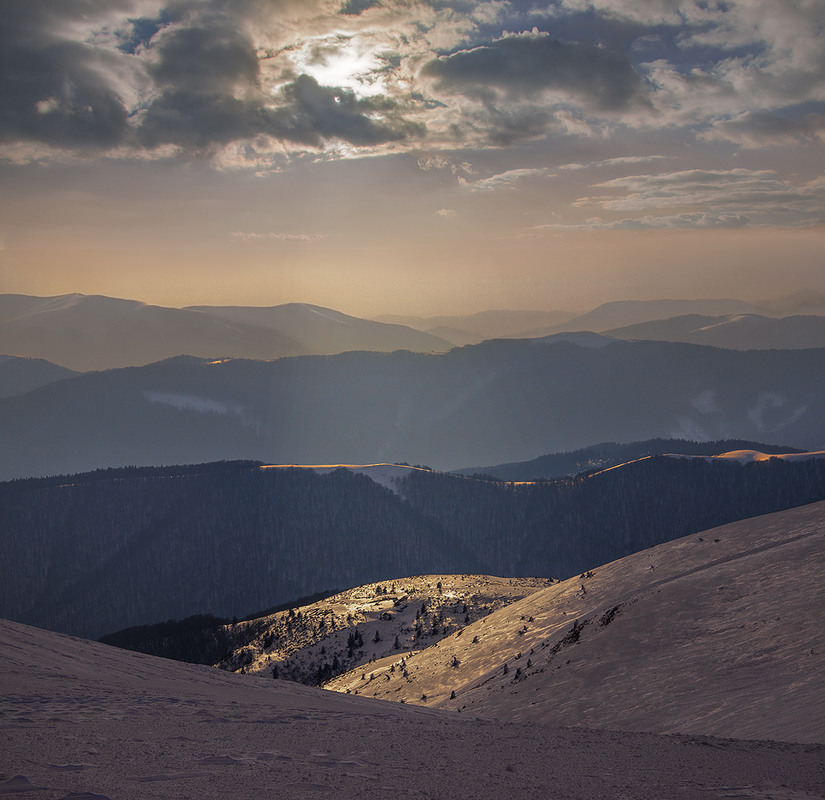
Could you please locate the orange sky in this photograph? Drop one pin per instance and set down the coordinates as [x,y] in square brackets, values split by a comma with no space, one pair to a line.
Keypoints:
[419,157]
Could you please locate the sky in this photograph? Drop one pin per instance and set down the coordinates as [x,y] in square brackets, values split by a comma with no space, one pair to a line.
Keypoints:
[412,156]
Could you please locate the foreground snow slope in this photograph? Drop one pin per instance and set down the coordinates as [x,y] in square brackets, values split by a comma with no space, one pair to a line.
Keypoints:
[717,633]
[85,721]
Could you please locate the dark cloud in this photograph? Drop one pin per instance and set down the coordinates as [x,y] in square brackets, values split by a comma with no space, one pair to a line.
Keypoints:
[197,121]
[307,114]
[353,8]
[506,126]
[213,55]
[760,128]
[200,70]
[53,90]
[315,112]
[526,65]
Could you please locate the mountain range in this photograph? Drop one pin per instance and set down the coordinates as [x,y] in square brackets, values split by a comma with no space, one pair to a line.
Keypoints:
[735,331]
[500,401]
[613,317]
[92,332]
[610,454]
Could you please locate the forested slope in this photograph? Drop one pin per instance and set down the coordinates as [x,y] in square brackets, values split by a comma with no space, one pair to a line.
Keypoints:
[96,553]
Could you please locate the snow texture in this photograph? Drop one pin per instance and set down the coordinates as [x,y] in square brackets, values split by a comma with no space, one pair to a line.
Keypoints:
[83,720]
[715,633]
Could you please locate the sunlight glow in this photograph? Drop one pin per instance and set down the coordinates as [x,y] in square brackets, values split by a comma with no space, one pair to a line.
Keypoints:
[343,61]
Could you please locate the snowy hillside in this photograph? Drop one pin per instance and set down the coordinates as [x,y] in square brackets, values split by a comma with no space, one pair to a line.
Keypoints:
[719,632]
[313,643]
[89,722]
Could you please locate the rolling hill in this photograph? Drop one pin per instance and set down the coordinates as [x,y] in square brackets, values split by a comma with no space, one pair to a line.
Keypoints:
[463,329]
[715,633]
[313,641]
[620,313]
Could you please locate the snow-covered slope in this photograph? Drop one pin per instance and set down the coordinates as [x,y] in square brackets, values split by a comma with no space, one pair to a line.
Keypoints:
[85,721]
[350,629]
[716,633]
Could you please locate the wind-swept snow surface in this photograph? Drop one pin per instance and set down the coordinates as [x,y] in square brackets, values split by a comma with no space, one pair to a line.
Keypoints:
[717,633]
[85,721]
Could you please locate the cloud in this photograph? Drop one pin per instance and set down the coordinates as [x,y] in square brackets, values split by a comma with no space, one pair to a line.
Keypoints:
[213,54]
[430,162]
[358,7]
[140,77]
[314,112]
[693,187]
[58,89]
[190,77]
[508,178]
[612,162]
[303,112]
[248,238]
[522,87]
[762,128]
[695,221]
[529,65]
[709,198]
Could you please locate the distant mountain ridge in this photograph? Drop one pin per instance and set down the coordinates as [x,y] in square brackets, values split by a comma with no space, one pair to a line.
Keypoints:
[608,454]
[92,332]
[735,331]
[21,374]
[473,328]
[464,329]
[619,313]
[85,332]
[500,401]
